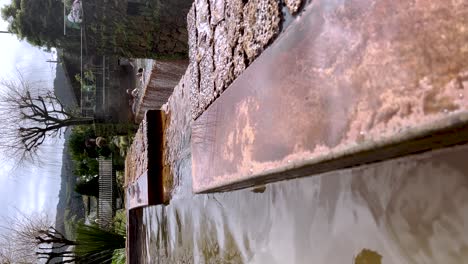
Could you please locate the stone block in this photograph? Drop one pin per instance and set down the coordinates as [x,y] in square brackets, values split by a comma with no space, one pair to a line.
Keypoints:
[350,82]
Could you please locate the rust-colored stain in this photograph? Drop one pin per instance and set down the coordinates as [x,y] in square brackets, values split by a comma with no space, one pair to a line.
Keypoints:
[344,74]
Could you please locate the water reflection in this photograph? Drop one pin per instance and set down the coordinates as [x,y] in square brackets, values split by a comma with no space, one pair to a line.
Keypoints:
[410,210]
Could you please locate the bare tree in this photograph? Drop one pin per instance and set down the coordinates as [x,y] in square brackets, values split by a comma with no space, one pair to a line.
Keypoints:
[25,239]
[29,115]
[10,254]
[28,239]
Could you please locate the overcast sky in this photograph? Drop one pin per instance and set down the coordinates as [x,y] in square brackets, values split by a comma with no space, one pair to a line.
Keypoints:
[28,188]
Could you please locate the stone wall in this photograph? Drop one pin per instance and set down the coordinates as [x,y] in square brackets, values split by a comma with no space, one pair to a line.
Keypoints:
[225,37]
[138,29]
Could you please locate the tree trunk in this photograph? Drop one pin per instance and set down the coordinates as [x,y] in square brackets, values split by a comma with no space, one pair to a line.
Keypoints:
[78,121]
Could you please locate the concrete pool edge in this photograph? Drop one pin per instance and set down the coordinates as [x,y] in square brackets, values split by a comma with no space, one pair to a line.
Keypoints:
[446,132]
[334,92]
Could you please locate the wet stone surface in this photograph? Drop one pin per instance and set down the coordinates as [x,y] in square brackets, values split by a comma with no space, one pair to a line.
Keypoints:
[410,210]
[178,134]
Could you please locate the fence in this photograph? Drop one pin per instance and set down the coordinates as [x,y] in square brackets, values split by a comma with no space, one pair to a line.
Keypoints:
[106,204]
[93,92]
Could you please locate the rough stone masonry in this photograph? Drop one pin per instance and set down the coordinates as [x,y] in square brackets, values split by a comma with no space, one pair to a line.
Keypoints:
[225,37]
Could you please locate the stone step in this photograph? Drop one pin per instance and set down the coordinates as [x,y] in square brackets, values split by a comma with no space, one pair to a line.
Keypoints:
[349,82]
[144,165]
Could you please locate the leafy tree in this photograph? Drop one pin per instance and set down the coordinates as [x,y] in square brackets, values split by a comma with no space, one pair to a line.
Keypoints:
[88,187]
[29,115]
[40,22]
[77,143]
[86,166]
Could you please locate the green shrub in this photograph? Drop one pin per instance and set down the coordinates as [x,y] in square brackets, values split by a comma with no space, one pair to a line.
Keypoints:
[119,256]
[77,142]
[120,222]
[96,245]
[109,130]
[86,166]
[88,187]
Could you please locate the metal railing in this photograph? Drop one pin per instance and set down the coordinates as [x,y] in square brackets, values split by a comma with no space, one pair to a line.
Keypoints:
[95,101]
[106,203]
